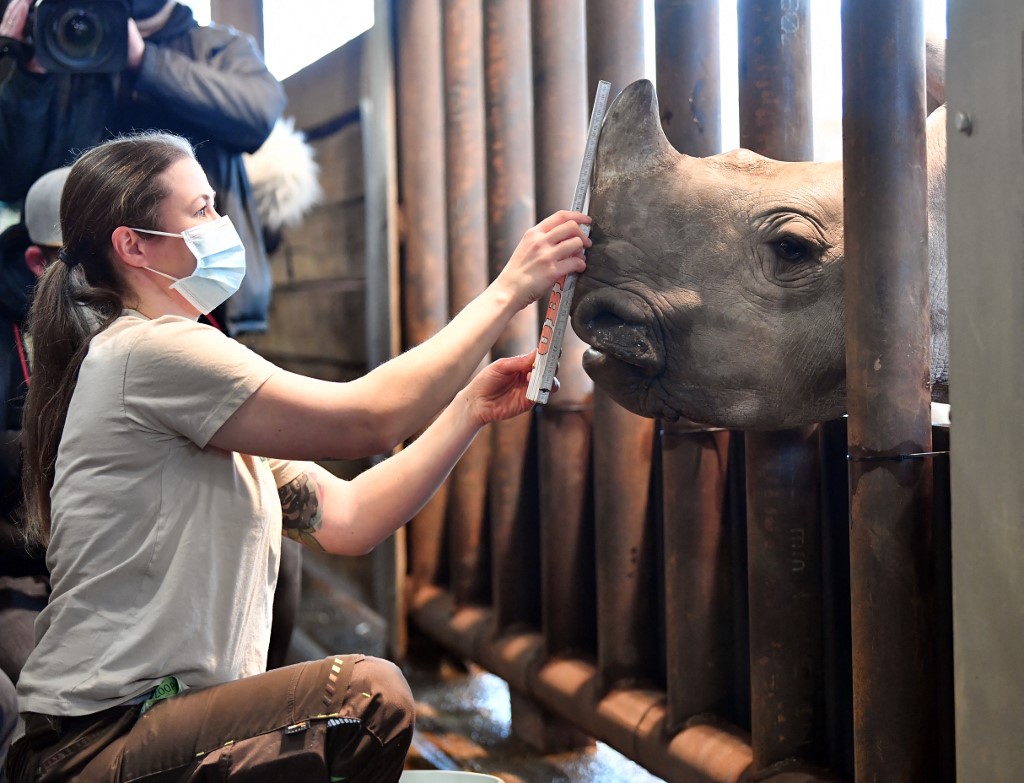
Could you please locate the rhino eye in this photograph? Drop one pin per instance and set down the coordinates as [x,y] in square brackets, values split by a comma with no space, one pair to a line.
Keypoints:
[792,250]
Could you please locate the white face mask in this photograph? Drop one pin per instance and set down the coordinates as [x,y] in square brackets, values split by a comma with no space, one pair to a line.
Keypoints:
[220,263]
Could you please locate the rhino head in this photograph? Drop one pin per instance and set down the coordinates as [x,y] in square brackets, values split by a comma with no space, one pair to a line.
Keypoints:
[714,287]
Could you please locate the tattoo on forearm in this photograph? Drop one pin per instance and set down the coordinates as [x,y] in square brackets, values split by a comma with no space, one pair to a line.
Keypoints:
[302,509]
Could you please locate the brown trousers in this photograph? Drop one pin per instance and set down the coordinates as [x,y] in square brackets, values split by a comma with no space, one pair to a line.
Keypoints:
[344,718]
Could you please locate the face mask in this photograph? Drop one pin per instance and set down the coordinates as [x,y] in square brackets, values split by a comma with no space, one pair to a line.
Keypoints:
[220,263]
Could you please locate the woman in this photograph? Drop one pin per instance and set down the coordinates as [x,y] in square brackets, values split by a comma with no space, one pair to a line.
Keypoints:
[164,534]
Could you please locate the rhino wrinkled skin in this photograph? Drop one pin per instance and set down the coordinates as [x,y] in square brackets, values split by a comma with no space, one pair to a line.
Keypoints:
[714,287]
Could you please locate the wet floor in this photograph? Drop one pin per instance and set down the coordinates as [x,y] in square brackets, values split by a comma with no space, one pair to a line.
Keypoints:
[463,714]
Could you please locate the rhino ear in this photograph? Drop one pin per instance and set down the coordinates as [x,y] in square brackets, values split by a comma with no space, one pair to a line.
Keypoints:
[632,139]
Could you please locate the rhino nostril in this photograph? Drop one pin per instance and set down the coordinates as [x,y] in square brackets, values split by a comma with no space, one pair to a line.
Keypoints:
[628,342]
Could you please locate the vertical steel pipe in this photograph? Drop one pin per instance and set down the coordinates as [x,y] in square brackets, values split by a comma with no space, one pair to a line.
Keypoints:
[887,366]
[698,540]
[421,153]
[698,582]
[466,169]
[627,597]
[786,606]
[563,424]
[689,74]
[783,507]
[510,198]
[775,78]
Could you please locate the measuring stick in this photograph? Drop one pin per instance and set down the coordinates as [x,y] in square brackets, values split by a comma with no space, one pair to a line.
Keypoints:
[557,315]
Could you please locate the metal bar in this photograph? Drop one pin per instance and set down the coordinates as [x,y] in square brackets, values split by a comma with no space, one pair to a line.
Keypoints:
[775,78]
[469,274]
[783,508]
[627,592]
[561,102]
[615,43]
[421,148]
[510,195]
[887,365]
[628,642]
[698,540]
[786,607]
[689,74]
[383,326]
[698,584]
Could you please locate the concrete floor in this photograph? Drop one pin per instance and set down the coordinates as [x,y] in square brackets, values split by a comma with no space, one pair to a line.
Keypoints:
[463,713]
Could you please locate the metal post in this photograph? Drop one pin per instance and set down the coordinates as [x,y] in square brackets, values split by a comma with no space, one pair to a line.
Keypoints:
[887,365]
[563,424]
[698,541]
[783,517]
[510,186]
[422,181]
[628,609]
[689,74]
[466,169]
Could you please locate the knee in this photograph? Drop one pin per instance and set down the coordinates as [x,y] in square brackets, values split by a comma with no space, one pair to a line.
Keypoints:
[393,712]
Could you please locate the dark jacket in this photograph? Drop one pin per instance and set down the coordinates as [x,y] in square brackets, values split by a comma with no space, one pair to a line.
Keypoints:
[209,84]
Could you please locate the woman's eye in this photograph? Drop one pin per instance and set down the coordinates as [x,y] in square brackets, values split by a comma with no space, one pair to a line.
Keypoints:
[201,212]
[792,250]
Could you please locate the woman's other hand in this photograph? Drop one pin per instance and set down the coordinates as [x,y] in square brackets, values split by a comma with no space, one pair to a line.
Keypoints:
[498,391]
[548,251]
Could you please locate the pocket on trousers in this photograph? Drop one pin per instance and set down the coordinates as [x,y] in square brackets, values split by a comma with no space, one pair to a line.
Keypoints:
[271,757]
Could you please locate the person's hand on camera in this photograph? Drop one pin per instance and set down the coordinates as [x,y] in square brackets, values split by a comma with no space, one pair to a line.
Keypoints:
[549,250]
[13,26]
[136,46]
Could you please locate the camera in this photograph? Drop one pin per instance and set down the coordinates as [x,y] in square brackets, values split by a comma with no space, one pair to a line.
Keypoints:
[74,36]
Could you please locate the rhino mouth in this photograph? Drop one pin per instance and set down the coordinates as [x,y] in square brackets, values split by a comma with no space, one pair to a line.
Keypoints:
[616,326]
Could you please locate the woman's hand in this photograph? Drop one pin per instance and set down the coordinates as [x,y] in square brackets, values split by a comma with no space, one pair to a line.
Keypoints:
[498,392]
[548,251]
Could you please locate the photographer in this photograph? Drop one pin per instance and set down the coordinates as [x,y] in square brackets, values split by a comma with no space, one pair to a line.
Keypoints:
[208,84]
[26,249]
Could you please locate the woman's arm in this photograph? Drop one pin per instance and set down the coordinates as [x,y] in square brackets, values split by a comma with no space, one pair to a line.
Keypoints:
[294,417]
[352,517]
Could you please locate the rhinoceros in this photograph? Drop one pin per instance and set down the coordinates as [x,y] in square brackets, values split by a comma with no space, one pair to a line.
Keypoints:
[714,287]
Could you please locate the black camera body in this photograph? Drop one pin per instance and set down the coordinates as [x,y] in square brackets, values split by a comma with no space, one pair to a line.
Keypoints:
[75,36]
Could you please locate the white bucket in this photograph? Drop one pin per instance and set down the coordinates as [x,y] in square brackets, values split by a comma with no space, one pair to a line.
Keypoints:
[445,776]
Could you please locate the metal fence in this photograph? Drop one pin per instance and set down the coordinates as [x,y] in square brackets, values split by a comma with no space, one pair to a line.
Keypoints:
[717,606]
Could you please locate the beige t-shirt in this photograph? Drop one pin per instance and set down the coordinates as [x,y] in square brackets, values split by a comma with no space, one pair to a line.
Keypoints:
[163,553]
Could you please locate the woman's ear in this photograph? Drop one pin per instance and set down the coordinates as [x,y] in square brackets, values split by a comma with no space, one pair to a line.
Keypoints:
[129,247]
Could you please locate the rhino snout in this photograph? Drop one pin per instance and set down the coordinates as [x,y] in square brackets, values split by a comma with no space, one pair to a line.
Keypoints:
[614,324]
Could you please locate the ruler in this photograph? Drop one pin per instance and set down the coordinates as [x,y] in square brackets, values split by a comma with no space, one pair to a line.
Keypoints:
[556,317]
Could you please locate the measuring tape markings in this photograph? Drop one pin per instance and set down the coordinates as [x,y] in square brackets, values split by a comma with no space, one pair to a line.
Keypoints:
[556,318]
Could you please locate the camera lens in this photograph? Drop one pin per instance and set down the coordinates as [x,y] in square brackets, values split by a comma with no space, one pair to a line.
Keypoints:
[79,33]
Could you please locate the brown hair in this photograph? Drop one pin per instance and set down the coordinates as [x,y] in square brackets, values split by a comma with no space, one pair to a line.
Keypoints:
[114,184]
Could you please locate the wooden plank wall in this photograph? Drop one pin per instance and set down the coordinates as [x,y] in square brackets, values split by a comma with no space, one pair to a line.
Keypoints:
[318,312]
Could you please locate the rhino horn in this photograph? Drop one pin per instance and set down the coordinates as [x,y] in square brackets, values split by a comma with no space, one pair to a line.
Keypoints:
[632,139]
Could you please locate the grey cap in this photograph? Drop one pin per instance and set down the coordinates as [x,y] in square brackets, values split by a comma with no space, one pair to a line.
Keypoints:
[42,208]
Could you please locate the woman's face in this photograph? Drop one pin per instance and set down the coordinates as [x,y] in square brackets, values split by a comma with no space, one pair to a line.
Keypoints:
[189,202]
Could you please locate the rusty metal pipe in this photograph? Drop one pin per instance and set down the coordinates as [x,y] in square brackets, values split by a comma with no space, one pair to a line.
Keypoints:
[786,604]
[887,364]
[698,584]
[787,661]
[627,597]
[632,720]
[563,424]
[689,74]
[422,181]
[466,168]
[510,200]
[775,78]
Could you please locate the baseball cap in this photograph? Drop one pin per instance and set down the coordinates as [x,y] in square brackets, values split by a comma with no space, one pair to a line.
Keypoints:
[42,208]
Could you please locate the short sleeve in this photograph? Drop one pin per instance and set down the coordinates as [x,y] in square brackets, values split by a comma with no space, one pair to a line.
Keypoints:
[186,378]
[285,470]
